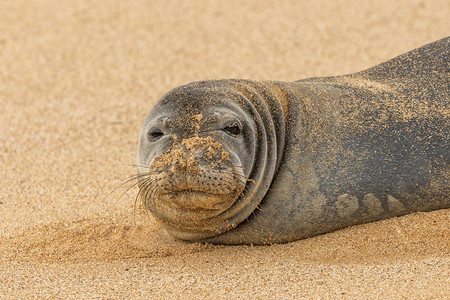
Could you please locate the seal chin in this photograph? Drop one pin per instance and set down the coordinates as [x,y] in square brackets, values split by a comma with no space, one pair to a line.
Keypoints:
[198,200]
[191,210]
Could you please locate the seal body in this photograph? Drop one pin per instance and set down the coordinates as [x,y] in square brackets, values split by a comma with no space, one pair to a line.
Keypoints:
[307,157]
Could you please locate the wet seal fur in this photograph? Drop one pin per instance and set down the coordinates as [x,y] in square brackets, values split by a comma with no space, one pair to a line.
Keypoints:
[240,162]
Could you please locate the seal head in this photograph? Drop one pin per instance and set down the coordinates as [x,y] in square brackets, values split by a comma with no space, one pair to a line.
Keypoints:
[207,154]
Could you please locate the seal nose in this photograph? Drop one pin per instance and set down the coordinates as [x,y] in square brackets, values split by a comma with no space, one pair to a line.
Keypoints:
[186,160]
[178,165]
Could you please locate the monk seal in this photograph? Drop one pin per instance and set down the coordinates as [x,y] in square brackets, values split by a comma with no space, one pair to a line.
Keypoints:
[260,162]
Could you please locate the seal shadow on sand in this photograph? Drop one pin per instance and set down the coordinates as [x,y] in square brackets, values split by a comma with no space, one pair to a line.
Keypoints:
[413,237]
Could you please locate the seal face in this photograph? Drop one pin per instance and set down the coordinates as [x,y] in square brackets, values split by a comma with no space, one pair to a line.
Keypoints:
[239,161]
[197,155]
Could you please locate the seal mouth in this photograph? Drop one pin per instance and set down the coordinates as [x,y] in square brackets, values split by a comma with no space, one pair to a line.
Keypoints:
[186,191]
[191,191]
[196,200]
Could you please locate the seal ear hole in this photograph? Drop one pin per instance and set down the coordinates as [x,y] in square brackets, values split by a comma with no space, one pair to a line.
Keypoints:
[155,135]
[232,129]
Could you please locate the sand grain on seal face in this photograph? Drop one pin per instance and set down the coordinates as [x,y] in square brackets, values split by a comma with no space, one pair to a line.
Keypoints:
[184,155]
[213,150]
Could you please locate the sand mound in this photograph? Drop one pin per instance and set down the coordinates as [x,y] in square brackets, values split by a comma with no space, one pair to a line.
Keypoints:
[92,240]
[409,238]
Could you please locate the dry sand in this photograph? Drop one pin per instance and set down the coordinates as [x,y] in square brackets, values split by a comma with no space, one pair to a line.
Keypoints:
[78,77]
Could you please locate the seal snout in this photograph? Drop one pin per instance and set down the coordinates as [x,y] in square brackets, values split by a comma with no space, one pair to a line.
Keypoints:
[194,174]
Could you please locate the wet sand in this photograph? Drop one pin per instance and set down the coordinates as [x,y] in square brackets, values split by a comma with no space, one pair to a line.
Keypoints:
[76,81]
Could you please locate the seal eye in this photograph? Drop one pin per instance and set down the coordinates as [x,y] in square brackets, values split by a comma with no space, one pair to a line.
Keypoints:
[232,129]
[155,135]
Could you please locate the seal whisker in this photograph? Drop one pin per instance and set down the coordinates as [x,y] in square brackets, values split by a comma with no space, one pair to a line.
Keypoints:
[143,192]
[139,181]
[127,181]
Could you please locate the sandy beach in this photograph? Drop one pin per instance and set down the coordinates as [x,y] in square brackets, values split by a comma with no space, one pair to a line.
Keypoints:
[76,81]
